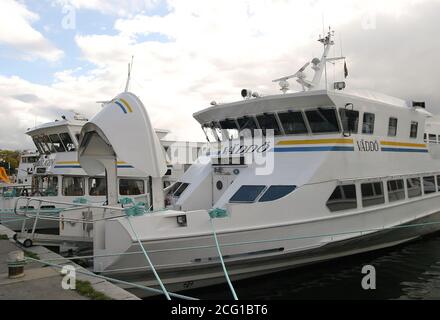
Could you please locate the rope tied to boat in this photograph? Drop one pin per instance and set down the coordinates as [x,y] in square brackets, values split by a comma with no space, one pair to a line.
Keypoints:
[218,213]
[144,251]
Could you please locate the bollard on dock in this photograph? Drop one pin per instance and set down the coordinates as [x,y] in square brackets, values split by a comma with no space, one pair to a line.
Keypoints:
[16,264]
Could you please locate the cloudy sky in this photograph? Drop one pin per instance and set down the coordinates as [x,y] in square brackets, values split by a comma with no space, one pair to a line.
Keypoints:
[57,56]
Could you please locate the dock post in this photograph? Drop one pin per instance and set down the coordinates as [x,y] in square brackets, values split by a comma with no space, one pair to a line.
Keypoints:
[16,264]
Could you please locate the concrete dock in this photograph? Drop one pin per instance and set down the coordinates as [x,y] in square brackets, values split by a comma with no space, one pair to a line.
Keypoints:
[42,282]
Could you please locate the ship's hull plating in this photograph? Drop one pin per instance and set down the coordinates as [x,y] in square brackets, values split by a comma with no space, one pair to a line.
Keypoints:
[192,276]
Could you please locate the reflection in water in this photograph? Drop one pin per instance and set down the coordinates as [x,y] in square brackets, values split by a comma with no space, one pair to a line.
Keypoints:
[410,271]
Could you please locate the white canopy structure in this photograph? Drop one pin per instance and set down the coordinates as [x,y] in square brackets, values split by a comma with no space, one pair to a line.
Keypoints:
[122,129]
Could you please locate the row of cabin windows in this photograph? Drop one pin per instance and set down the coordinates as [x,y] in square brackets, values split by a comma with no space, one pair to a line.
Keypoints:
[260,193]
[75,186]
[319,121]
[47,144]
[345,198]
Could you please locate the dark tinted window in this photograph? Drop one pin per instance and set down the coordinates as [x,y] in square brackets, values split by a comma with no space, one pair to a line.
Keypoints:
[129,187]
[247,123]
[392,127]
[56,142]
[276,192]
[350,120]
[67,141]
[231,128]
[322,120]
[247,194]
[414,187]
[268,121]
[428,185]
[438,183]
[180,190]
[368,123]
[414,127]
[396,190]
[343,198]
[372,194]
[292,122]
[433,138]
[97,186]
[73,186]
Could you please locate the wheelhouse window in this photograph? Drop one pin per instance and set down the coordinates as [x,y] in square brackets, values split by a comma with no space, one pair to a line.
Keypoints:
[247,194]
[56,142]
[230,128]
[268,122]
[67,141]
[414,187]
[368,123]
[392,127]
[293,122]
[73,186]
[323,120]
[48,143]
[276,192]
[350,120]
[428,185]
[432,138]
[131,187]
[97,186]
[413,130]
[180,189]
[396,190]
[343,198]
[209,133]
[247,126]
[37,143]
[372,194]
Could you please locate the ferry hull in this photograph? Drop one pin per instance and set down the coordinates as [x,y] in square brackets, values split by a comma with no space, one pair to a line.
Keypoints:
[206,274]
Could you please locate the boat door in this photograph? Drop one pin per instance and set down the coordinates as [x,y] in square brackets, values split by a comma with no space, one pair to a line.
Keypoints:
[220,183]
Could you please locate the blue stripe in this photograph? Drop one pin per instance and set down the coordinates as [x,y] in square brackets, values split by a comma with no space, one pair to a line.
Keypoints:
[79,167]
[120,105]
[404,150]
[67,167]
[314,149]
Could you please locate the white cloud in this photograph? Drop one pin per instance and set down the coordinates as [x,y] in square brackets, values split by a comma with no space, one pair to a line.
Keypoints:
[115,7]
[16,31]
[215,49]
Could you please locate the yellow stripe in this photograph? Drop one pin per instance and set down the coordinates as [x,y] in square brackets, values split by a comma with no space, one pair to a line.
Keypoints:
[318,141]
[126,104]
[402,144]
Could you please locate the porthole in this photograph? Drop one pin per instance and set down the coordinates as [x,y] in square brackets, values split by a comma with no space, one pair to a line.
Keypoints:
[219,185]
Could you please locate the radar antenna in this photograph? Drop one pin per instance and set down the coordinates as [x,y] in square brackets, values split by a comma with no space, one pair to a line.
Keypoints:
[318,66]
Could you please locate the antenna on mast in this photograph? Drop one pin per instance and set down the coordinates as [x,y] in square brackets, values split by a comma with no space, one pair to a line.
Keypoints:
[130,66]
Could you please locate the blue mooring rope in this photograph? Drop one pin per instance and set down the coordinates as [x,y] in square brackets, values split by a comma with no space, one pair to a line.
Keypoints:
[213,214]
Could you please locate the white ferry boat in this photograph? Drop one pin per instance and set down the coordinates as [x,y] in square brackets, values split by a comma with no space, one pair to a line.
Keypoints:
[58,176]
[290,179]
[25,169]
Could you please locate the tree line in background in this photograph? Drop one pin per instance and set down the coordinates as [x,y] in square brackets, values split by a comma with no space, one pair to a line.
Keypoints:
[9,160]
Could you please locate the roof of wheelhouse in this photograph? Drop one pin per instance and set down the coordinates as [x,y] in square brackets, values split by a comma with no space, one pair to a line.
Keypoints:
[298,100]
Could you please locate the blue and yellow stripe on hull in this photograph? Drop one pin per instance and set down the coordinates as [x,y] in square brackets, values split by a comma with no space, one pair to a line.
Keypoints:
[76,165]
[392,146]
[311,145]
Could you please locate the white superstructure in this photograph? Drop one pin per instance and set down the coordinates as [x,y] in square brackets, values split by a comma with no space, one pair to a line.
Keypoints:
[288,180]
